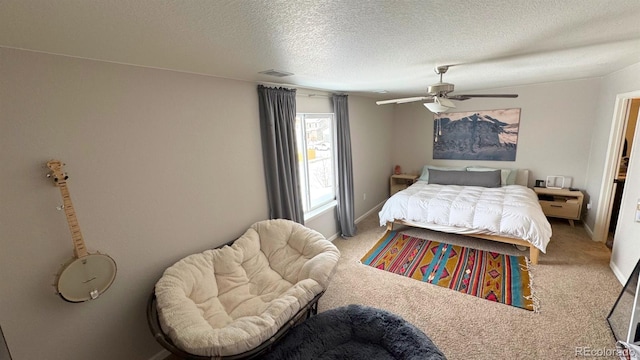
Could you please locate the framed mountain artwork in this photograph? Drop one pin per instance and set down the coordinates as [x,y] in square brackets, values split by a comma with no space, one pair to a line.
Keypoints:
[476,135]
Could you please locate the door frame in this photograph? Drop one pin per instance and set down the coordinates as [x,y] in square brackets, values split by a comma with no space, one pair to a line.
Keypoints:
[612,164]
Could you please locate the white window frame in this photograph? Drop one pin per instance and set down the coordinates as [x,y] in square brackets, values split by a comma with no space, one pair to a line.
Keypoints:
[330,201]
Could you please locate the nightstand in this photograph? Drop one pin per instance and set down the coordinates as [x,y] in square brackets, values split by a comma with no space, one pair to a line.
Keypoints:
[560,203]
[401,182]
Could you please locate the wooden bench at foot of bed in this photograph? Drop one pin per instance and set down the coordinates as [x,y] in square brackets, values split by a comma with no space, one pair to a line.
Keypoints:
[533,251]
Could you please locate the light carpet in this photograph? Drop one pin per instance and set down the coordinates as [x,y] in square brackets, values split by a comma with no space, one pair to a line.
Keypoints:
[573,282]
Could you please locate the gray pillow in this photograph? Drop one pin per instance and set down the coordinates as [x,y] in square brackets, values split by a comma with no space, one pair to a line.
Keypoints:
[425,170]
[466,178]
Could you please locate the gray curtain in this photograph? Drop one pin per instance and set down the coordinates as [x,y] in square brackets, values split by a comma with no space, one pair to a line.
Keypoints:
[277,127]
[345,167]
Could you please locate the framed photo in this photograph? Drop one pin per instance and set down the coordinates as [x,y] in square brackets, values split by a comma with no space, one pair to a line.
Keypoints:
[476,135]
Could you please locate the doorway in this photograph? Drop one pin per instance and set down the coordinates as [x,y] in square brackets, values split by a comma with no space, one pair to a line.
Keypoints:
[622,162]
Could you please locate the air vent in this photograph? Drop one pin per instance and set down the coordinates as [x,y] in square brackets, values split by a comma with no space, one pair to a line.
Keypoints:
[276,73]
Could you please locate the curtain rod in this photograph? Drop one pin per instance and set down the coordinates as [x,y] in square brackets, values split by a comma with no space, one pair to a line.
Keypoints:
[325,93]
[313,95]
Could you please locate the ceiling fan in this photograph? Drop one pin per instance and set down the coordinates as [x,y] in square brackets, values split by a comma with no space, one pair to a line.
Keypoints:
[438,99]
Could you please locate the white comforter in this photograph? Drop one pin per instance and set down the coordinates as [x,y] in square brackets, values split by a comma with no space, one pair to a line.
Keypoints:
[511,211]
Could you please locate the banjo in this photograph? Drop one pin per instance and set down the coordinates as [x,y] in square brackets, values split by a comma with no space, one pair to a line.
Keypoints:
[85,276]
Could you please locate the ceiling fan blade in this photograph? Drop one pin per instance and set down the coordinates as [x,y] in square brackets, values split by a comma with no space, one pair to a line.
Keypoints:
[402,101]
[469,96]
[458,97]
[408,100]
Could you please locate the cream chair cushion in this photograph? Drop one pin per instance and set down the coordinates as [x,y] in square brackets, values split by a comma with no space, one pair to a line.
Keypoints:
[229,300]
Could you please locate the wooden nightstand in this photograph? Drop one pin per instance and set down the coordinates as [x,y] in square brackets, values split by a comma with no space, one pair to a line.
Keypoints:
[401,182]
[560,203]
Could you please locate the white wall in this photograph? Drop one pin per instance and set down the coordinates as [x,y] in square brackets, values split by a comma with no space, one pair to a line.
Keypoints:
[162,164]
[556,125]
[372,152]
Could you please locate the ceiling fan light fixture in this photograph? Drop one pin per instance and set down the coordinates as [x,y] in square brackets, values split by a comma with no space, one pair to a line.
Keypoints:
[435,107]
[439,105]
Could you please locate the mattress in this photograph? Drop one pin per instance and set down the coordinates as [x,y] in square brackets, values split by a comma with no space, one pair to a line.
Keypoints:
[510,211]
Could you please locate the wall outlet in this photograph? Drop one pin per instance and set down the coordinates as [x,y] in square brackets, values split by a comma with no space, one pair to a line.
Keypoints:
[589,206]
[364,196]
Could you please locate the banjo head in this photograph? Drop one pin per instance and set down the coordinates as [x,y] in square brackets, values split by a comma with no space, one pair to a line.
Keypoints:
[86,278]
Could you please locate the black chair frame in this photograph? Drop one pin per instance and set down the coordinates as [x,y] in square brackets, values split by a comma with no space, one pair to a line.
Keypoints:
[306,312]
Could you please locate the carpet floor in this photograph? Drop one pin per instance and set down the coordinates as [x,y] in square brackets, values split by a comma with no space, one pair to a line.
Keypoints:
[573,282]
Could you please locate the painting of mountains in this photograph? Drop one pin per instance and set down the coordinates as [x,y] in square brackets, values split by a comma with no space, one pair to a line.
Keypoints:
[476,135]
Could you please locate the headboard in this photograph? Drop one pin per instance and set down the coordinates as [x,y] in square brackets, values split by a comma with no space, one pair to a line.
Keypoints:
[522,178]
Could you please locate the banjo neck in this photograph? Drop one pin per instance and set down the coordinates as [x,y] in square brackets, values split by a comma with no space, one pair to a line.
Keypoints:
[79,248]
[60,180]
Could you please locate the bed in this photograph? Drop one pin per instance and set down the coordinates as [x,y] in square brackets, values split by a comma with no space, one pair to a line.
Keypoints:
[485,203]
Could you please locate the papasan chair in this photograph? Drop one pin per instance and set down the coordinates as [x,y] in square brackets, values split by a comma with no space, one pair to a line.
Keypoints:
[355,332]
[236,301]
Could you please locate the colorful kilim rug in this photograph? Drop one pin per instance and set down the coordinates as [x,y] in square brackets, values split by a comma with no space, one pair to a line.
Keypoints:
[488,275]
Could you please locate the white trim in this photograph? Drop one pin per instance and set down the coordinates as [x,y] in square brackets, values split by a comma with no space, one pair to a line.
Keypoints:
[333,237]
[588,230]
[319,211]
[161,355]
[616,271]
[374,209]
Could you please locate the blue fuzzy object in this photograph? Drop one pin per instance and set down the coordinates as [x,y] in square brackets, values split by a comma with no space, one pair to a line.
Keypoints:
[355,332]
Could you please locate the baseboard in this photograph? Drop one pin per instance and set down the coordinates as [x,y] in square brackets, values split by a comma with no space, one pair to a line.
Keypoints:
[161,355]
[621,278]
[333,237]
[374,209]
[588,230]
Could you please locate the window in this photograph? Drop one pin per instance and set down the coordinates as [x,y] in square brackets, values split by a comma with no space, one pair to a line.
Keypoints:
[315,134]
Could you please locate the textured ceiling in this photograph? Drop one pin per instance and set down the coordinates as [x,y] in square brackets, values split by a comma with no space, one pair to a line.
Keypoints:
[355,46]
